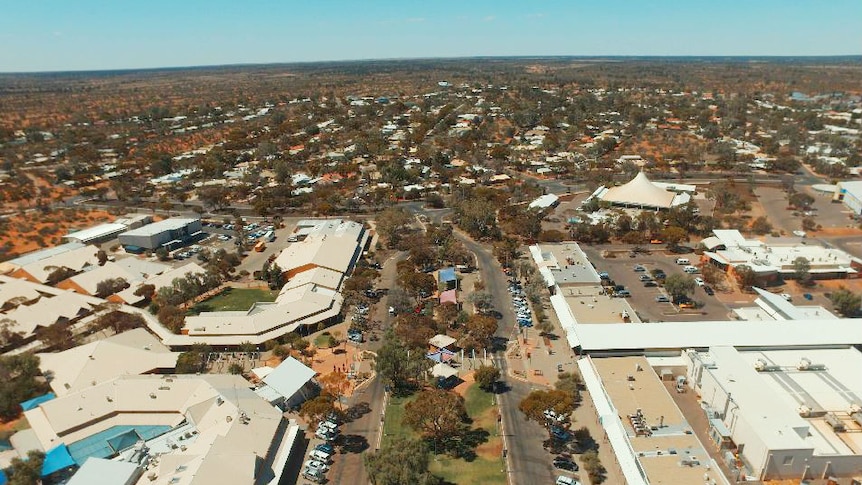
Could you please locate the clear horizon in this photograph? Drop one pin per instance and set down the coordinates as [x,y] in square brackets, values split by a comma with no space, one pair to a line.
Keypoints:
[95,35]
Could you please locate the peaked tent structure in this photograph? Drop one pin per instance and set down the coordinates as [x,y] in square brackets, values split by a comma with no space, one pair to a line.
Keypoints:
[642,193]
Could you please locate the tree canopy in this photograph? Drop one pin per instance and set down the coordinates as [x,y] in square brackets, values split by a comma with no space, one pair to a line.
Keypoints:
[400,461]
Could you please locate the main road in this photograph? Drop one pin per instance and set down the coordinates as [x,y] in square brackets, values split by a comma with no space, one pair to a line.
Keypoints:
[527,461]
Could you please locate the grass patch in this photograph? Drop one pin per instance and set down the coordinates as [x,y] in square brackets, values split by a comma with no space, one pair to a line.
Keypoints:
[485,468]
[393,422]
[233,299]
[325,341]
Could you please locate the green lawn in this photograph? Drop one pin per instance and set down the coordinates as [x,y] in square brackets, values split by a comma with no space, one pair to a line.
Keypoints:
[486,468]
[233,299]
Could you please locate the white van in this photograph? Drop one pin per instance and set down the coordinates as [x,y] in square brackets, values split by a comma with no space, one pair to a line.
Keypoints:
[691,269]
[682,261]
[319,456]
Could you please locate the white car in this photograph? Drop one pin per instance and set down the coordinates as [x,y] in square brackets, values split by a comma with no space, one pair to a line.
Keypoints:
[699,281]
[316,465]
[319,455]
[564,480]
[786,296]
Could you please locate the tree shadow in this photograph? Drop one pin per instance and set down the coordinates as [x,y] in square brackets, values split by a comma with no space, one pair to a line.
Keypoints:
[353,443]
[463,446]
[356,411]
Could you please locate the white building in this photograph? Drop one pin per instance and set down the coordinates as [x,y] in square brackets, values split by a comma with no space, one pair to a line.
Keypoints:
[316,268]
[851,194]
[810,426]
[182,429]
[728,249]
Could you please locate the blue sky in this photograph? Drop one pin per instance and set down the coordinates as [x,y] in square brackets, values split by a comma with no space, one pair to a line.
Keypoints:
[58,35]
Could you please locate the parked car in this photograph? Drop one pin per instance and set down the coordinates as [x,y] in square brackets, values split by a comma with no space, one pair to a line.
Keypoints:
[786,296]
[564,480]
[699,281]
[645,277]
[326,448]
[560,433]
[565,464]
[662,299]
[316,465]
[650,284]
[639,268]
[688,304]
[708,290]
[321,456]
[313,475]
[691,269]
[623,294]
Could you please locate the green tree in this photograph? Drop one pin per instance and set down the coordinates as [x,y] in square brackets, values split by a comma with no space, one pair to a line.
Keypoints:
[761,225]
[437,414]
[537,402]
[745,276]
[396,365]
[673,235]
[482,300]
[845,302]
[313,410]
[802,270]
[29,471]
[800,200]
[19,381]
[398,462]
[486,377]
[193,360]
[679,285]
[570,382]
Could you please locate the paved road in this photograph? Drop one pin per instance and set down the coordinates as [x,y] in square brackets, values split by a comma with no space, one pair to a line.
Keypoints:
[528,461]
[368,401]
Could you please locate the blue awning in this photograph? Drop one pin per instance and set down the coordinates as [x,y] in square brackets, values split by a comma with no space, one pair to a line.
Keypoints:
[36,401]
[3,479]
[447,274]
[56,459]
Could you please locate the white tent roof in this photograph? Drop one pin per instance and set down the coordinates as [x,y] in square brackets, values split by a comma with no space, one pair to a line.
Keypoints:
[289,377]
[640,191]
[443,370]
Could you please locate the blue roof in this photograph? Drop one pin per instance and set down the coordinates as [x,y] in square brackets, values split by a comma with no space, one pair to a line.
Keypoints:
[3,479]
[57,459]
[447,274]
[36,401]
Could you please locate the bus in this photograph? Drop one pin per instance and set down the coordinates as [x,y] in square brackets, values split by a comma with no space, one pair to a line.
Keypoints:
[260,246]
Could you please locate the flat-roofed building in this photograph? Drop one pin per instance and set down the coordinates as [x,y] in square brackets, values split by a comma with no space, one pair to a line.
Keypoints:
[789,413]
[774,259]
[97,234]
[169,234]
[651,438]
[334,244]
[850,192]
[183,429]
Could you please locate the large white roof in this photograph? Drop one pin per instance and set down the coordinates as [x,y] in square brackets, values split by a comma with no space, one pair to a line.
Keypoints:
[45,304]
[97,232]
[683,335]
[99,471]
[76,259]
[335,244]
[129,353]
[639,191]
[289,377]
